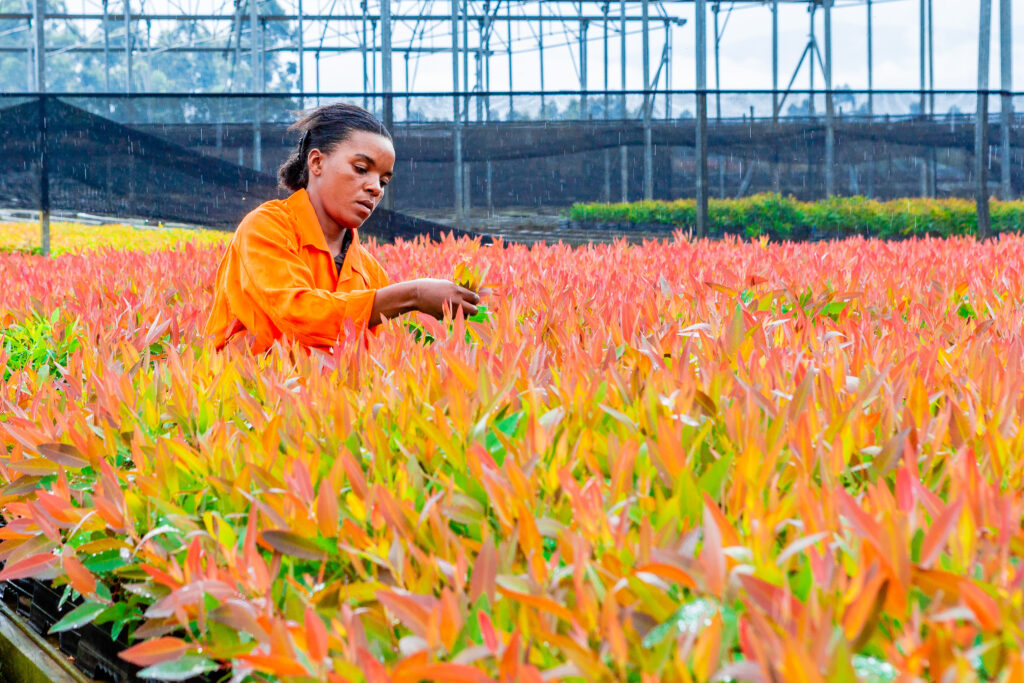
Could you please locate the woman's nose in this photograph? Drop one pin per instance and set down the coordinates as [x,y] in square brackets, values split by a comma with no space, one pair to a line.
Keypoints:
[374,187]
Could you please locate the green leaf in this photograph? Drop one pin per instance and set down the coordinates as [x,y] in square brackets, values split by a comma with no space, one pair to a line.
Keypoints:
[180,669]
[106,561]
[692,617]
[80,616]
[711,480]
[834,308]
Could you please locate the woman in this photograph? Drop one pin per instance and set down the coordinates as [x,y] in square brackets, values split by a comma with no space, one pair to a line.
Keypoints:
[295,268]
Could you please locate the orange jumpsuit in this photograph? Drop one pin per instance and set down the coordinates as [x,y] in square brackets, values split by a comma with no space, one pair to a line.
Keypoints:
[278,280]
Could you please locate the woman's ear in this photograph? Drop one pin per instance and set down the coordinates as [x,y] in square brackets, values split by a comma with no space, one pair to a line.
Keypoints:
[315,162]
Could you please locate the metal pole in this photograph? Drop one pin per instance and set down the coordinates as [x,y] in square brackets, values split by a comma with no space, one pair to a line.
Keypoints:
[584,26]
[465,64]
[776,173]
[386,77]
[871,64]
[812,47]
[540,49]
[479,69]
[257,136]
[106,48]
[701,146]
[871,94]
[668,71]
[980,127]
[718,83]
[922,47]
[39,24]
[385,68]
[30,61]
[39,36]
[933,165]
[511,103]
[922,62]
[607,102]
[1006,113]
[127,47]
[607,194]
[487,69]
[363,49]
[456,117]
[830,131]
[718,104]
[648,146]
[302,61]
[931,61]
[623,150]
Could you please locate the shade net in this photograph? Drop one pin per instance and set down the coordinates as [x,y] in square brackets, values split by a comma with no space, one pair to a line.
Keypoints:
[208,160]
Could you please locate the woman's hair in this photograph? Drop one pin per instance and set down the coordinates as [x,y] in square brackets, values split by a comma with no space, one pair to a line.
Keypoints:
[324,128]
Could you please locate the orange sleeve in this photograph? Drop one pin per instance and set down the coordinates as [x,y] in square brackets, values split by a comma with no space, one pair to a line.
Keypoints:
[275,277]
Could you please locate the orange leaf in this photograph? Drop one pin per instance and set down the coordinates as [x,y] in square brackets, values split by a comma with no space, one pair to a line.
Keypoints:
[984,606]
[670,572]
[446,672]
[327,509]
[155,651]
[274,664]
[707,651]
[81,578]
[861,616]
[939,531]
[541,603]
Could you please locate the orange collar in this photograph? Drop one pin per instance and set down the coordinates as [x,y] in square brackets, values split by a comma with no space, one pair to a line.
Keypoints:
[309,231]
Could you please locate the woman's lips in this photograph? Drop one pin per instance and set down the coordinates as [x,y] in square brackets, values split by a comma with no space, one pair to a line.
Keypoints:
[365,205]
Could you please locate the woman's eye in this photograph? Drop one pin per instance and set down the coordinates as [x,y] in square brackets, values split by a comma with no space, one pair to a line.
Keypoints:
[360,169]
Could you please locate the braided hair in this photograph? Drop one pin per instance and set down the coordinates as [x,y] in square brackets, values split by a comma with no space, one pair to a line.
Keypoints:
[324,128]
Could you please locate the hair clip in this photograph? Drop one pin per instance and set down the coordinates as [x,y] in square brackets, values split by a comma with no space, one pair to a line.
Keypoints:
[304,142]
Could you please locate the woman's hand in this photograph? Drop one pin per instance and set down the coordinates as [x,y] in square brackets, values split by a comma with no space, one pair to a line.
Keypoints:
[432,295]
[426,295]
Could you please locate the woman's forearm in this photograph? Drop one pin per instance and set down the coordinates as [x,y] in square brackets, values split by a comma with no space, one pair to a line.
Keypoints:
[394,300]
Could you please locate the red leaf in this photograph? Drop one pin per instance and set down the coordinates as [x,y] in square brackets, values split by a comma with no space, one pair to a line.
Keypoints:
[29,567]
[316,636]
[487,631]
[712,559]
[150,652]
[485,570]
[63,454]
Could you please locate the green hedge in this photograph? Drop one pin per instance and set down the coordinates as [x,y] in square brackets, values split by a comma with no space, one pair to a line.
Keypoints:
[780,216]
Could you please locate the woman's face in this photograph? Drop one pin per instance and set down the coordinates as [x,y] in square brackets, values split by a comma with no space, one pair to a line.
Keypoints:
[350,180]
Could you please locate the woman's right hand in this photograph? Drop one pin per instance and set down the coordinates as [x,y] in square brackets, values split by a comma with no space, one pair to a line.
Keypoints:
[433,294]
